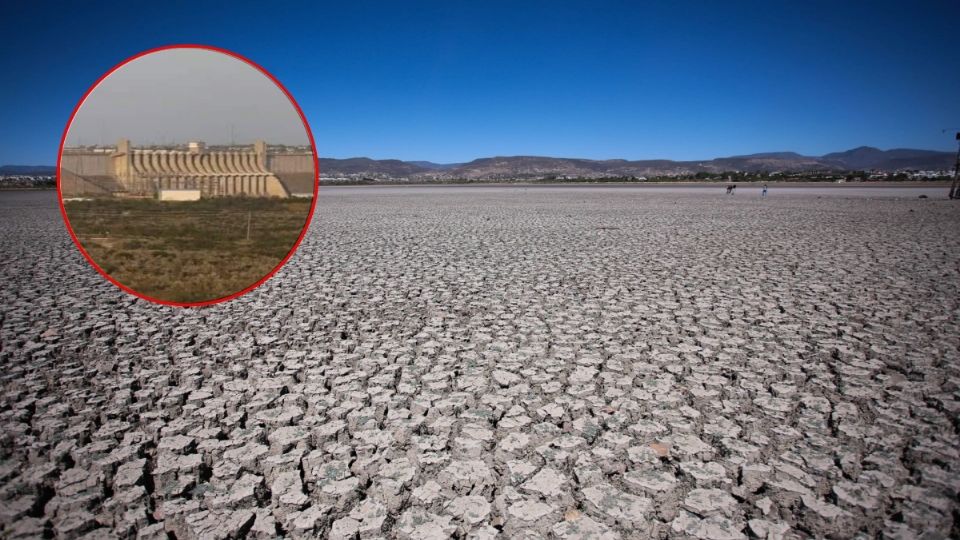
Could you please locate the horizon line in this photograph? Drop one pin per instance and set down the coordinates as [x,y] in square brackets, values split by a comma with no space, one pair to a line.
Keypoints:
[319,156]
[949,151]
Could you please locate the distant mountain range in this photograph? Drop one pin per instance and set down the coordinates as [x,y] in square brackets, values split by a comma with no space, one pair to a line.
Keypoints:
[866,157]
[508,167]
[27,170]
[504,167]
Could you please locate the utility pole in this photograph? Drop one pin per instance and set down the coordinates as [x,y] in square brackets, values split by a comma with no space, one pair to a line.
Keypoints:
[955,186]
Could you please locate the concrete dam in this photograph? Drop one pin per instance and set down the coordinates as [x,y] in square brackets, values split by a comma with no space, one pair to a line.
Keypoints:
[186,173]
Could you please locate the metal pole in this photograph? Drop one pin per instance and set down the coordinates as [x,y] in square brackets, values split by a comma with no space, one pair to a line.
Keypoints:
[955,186]
[248,226]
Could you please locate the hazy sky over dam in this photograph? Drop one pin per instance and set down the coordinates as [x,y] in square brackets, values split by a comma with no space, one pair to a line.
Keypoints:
[181,95]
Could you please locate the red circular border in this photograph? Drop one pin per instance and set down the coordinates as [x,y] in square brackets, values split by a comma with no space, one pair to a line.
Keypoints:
[316,176]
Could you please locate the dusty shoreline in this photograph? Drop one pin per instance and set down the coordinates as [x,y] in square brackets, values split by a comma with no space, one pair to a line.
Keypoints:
[721,185]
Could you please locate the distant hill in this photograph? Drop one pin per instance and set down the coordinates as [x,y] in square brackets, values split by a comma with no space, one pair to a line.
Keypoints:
[520,167]
[769,162]
[435,166]
[527,166]
[28,170]
[393,168]
[867,157]
[505,167]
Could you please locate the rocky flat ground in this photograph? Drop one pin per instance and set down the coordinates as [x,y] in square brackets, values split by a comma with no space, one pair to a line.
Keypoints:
[479,363]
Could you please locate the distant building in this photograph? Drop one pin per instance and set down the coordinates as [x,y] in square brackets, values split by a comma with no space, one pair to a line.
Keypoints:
[184,173]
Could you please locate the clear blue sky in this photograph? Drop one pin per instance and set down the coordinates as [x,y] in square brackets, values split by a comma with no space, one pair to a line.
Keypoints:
[451,81]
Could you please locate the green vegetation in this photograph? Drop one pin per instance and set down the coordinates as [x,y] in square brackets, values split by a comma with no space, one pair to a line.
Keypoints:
[188,251]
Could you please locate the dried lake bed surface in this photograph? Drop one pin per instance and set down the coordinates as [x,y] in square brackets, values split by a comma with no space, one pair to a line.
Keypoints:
[577,362]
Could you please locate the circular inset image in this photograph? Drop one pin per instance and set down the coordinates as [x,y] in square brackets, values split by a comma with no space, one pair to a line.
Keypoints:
[187,175]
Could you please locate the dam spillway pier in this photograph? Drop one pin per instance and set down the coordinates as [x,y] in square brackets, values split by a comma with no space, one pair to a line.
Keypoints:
[186,172]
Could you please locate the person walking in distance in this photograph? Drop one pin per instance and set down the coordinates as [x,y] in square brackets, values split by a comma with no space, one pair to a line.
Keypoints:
[764,192]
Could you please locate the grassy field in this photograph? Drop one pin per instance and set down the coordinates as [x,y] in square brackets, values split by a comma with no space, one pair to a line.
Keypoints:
[188,251]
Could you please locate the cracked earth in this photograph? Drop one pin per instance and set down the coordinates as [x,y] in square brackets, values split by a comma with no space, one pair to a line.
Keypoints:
[582,363]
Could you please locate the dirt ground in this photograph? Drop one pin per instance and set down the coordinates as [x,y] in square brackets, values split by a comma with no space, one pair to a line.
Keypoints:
[188,251]
[502,362]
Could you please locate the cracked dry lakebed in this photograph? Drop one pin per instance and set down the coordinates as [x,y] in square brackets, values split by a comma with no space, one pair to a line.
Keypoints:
[502,362]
